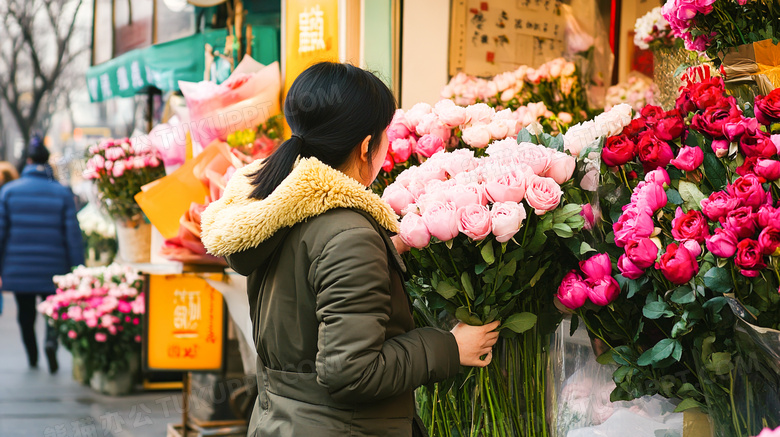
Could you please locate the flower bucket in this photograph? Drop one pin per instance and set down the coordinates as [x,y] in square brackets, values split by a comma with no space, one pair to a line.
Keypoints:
[80,372]
[666,60]
[135,241]
[753,376]
[116,385]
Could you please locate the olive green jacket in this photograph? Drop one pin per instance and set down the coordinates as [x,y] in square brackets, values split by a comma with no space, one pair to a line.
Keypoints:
[338,351]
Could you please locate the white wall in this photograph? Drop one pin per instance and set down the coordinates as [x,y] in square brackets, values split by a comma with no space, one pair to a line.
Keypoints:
[425,50]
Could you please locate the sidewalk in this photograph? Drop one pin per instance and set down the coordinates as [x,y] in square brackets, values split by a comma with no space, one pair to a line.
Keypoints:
[34,403]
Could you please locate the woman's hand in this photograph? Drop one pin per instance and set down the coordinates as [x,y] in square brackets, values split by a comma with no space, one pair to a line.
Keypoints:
[399,244]
[474,342]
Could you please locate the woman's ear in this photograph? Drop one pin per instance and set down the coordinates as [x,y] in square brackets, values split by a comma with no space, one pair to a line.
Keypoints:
[364,155]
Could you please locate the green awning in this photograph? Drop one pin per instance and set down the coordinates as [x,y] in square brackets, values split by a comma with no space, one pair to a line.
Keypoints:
[161,66]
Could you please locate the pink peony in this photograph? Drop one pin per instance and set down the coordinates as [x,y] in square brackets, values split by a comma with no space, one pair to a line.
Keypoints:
[507,219]
[476,136]
[100,337]
[642,252]
[509,187]
[603,291]
[469,194]
[688,158]
[429,144]
[441,219]
[398,197]
[596,267]
[72,334]
[628,269]
[573,291]
[474,221]
[542,194]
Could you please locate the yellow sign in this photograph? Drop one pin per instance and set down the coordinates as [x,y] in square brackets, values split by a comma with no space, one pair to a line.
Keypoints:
[311,35]
[185,323]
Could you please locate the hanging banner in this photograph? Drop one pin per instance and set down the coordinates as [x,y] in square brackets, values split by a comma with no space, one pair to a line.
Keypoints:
[185,321]
[311,31]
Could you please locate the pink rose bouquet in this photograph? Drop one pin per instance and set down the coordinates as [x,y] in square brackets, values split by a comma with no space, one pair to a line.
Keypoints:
[98,313]
[119,168]
[488,239]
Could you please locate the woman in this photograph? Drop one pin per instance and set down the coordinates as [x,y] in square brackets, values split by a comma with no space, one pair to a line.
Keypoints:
[338,351]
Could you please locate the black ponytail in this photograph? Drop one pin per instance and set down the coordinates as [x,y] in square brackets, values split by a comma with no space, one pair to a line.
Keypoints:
[330,108]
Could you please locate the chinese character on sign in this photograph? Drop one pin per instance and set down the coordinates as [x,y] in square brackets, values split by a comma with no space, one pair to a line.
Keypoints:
[518,24]
[311,28]
[135,74]
[186,313]
[121,78]
[105,85]
[478,20]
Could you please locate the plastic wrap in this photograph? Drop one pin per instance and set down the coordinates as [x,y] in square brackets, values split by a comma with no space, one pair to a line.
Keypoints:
[580,396]
[248,98]
[587,44]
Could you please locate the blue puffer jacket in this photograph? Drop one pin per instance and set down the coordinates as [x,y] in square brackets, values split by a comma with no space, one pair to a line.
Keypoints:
[39,232]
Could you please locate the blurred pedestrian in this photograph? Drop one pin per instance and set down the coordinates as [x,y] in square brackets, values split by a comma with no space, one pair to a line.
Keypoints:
[8,173]
[39,238]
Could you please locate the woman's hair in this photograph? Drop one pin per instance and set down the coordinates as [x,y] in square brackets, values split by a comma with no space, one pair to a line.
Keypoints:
[331,108]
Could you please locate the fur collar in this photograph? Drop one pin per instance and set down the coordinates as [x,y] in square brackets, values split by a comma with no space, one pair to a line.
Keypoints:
[236,223]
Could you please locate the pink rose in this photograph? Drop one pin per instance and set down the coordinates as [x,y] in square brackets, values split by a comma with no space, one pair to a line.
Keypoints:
[499,129]
[91,322]
[768,169]
[450,114]
[720,147]
[596,267]
[588,215]
[573,291]
[651,197]
[688,158]
[632,225]
[416,113]
[441,219]
[642,252]
[749,257]
[100,337]
[718,205]
[479,113]
[476,136]
[397,131]
[769,240]
[536,157]
[748,189]
[402,149]
[658,176]
[388,164]
[766,432]
[542,194]
[509,187]
[693,247]
[690,226]
[506,218]
[741,221]
[118,169]
[398,197]
[603,291]
[561,167]
[72,334]
[124,307]
[431,125]
[628,269]
[474,221]
[469,194]
[429,144]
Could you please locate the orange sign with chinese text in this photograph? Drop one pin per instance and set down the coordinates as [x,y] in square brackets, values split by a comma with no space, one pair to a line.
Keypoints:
[185,320]
[311,35]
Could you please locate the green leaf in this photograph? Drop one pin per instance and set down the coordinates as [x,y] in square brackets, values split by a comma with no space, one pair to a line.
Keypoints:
[519,323]
[677,351]
[720,363]
[563,230]
[673,196]
[446,290]
[718,280]
[509,268]
[646,358]
[683,295]
[687,404]
[479,268]
[569,210]
[691,195]
[465,279]
[606,358]
[715,171]
[538,275]
[466,317]
[487,253]
[525,137]
[585,248]
[686,390]
[656,310]
[664,349]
